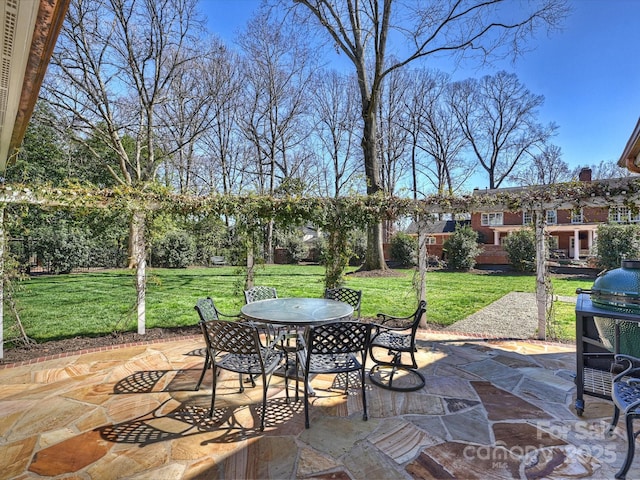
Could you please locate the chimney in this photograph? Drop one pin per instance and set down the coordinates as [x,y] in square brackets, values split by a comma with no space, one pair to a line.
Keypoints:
[585,175]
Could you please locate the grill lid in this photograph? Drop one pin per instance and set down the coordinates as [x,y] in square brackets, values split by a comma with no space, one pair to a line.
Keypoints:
[619,289]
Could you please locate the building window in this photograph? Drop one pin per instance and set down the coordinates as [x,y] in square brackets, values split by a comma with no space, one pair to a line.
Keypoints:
[527,218]
[622,214]
[618,214]
[492,219]
[431,240]
[576,216]
[552,217]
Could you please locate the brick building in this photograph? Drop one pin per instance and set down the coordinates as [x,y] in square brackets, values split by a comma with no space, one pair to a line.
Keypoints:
[572,232]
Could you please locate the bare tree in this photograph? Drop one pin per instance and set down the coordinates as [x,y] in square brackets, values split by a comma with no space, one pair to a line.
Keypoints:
[362,31]
[393,138]
[544,168]
[498,115]
[435,132]
[278,67]
[224,147]
[114,63]
[112,67]
[335,106]
[193,102]
[413,121]
[605,170]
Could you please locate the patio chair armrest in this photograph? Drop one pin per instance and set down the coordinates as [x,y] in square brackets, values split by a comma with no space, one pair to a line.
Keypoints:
[391,322]
[625,365]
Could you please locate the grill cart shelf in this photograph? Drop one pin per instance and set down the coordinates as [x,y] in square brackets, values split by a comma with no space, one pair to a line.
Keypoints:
[594,359]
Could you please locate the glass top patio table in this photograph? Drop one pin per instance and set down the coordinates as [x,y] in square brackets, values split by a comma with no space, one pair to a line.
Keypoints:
[297,311]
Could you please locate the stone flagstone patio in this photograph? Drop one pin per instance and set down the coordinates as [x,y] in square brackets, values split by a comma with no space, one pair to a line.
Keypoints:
[497,409]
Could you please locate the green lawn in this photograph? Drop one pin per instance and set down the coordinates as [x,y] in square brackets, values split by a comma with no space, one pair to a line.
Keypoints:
[53,307]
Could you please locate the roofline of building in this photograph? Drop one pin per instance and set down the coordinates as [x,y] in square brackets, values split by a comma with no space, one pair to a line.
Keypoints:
[494,191]
[630,158]
[35,38]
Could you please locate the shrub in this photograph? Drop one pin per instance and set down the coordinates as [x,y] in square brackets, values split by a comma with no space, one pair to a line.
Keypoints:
[107,239]
[403,249]
[292,243]
[462,248]
[295,248]
[209,234]
[175,250]
[321,245]
[62,247]
[521,249]
[615,243]
[356,248]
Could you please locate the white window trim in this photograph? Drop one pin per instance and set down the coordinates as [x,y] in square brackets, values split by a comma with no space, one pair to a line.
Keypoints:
[577,217]
[555,217]
[493,219]
[622,214]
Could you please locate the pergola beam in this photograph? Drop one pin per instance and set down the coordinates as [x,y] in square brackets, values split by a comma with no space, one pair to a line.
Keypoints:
[571,195]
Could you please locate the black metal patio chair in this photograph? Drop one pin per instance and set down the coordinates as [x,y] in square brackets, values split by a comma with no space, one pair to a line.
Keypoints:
[346,295]
[207,311]
[236,346]
[396,336]
[334,348]
[625,393]
[290,338]
[259,292]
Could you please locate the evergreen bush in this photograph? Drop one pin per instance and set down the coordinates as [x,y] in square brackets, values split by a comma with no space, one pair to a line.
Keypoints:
[462,248]
[403,249]
[521,250]
[175,250]
[61,247]
[295,248]
[615,243]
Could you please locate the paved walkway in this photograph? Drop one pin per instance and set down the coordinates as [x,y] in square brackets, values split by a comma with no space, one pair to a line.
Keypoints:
[489,410]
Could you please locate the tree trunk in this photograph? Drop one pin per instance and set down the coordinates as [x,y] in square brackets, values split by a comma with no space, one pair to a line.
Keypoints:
[542,295]
[374,257]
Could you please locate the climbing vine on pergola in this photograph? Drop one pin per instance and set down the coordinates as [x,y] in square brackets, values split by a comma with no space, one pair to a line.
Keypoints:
[335,216]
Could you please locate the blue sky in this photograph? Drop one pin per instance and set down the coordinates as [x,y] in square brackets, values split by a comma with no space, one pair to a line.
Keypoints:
[589,73]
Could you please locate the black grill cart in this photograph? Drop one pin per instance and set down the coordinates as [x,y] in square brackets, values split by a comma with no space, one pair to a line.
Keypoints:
[594,354]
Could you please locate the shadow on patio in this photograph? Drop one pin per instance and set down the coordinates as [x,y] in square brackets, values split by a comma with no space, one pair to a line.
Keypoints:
[490,409]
